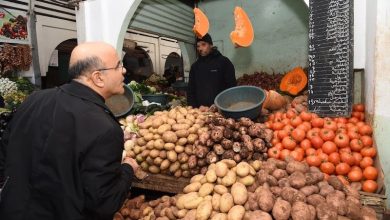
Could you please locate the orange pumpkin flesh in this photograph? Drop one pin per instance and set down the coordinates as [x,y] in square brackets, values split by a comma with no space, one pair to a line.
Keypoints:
[243,34]
[201,26]
[294,81]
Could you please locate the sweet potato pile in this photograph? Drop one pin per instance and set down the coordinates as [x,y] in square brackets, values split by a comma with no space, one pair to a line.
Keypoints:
[240,140]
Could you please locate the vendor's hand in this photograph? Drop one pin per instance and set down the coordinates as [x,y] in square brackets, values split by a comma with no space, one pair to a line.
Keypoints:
[131,162]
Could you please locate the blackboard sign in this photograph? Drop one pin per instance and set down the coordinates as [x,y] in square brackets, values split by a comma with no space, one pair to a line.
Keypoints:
[330,84]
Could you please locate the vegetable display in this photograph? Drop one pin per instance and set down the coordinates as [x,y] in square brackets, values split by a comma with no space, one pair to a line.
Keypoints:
[165,142]
[277,189]
[184,141]
[339,146]
[238,140]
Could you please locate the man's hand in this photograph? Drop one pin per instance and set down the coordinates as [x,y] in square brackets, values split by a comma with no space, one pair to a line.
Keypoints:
[131,162]
[138,172]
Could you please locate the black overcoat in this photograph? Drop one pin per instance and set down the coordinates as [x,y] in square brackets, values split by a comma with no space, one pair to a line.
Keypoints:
[62,153]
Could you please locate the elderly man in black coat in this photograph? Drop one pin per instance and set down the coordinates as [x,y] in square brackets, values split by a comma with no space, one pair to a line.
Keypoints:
[62,151]
[209,75]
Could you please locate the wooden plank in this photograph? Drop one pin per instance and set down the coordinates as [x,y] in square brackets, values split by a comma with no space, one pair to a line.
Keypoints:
[163,183]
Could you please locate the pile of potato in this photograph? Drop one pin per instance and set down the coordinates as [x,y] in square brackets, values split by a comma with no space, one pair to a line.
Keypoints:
[279,190]
[139,209]
[241,140]
[294,190]
[267,190]
[166,139]
[219,194]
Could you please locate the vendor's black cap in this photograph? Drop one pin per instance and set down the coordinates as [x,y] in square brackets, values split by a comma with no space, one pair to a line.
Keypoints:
[205,38]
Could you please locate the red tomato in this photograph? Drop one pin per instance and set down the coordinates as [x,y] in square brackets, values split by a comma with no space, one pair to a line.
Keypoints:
[341,140]
[274,153]
[353,134]
[334,158]
[310,151]
[370,173]
[317,142]
[358,107]
[288,128]
[305,144]
[356,145]
[312,133]
[370,186]
[368,152]
[306,116]
[353,120]
[365,130]
[317,122]
[282,134]
[298,134]
[342,168]
[366,162]
[329,147]
[298,156]
[313,160]
[347,158]
[367,141]
[327,134]
[291,113]
[303,127]
[284,153]
[330,125]
[278,146]
[327,167]
[296,121]
[289,143]
[358,158]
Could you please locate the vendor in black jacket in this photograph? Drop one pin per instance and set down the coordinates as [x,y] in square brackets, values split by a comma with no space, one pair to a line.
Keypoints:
[62,151]
[209,75]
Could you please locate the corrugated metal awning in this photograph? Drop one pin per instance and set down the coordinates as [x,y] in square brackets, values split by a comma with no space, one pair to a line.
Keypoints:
[170,18]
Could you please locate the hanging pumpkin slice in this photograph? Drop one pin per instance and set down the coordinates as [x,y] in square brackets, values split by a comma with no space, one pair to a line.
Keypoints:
[243,34]
[201,26]
[294,81]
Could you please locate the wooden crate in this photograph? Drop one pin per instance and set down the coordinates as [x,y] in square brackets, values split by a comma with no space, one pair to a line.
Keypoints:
[163,183]
[375,201]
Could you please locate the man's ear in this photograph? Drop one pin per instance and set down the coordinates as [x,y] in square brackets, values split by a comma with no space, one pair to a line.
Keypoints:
[97,78]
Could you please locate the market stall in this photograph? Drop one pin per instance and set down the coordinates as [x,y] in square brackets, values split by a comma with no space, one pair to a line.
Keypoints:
[249,164]
[310,152]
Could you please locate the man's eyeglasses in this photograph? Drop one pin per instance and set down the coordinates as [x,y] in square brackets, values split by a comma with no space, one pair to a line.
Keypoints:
[119,65]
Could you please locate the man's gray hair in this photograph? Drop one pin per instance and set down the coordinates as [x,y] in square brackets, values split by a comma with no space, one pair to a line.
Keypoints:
[84,66]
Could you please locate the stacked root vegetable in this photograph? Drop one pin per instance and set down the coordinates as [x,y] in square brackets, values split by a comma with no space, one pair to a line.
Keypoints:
[278,190]
[184,141]
[137,208]
[165,141]
[339,146]
[241,140]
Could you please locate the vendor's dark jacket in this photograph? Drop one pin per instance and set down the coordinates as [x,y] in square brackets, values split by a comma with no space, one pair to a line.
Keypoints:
[62,151]
[209,76]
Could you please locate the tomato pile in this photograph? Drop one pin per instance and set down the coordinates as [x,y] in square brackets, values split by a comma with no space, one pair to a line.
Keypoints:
[338,146]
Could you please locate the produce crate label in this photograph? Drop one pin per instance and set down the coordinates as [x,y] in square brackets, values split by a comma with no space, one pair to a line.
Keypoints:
[330,57]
